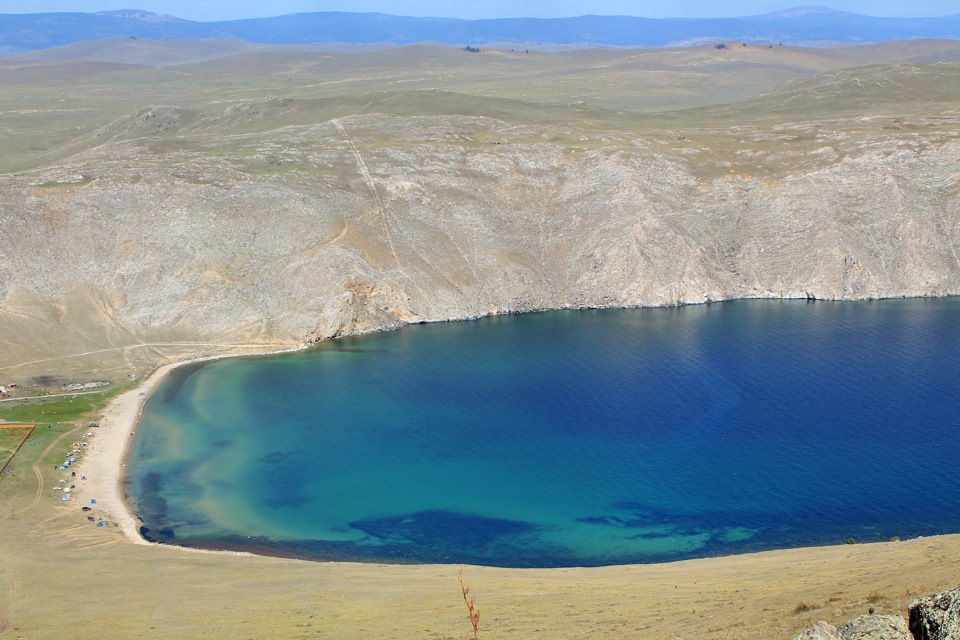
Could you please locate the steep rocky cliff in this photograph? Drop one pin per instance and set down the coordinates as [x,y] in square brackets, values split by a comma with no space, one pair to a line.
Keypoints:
[235,225]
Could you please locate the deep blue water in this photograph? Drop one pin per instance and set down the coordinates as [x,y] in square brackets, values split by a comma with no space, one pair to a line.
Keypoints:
[569,438]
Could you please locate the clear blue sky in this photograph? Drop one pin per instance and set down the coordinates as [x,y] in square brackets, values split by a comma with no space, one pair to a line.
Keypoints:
[210,10]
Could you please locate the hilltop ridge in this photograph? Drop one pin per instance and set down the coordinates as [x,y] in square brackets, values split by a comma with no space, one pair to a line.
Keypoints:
[297,220]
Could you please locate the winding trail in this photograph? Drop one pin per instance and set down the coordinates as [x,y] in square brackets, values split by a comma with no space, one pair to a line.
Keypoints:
[151,344]
[372,187]
[36,471]
[53,395]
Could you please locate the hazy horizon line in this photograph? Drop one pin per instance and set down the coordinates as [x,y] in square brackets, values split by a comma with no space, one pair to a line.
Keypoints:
[806,9]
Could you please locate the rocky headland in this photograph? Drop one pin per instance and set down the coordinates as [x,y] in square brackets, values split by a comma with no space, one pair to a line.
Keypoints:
[177,224]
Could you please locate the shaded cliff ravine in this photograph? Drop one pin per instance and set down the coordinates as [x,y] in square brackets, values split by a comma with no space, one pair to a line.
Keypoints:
[167,224]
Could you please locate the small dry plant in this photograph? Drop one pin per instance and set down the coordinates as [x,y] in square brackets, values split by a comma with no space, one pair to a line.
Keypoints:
[803,606]
[471,602]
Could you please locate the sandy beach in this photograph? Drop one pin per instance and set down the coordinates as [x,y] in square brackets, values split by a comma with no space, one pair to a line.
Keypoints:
[103,464]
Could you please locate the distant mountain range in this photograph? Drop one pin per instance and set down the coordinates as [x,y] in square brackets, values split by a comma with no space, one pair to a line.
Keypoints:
[809,26]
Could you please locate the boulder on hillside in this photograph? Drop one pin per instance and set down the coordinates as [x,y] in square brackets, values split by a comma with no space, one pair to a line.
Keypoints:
[872,627]
[820,631]
[936,617]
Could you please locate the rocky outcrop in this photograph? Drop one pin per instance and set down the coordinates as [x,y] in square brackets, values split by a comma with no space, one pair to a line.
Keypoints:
[866,627]
[370,222]
[820,631]
[875,627]
[936,617]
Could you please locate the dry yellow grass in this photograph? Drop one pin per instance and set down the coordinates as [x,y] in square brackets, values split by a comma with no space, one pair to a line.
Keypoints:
[12,437]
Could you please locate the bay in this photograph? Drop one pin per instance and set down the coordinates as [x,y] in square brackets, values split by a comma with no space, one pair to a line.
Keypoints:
[569,438]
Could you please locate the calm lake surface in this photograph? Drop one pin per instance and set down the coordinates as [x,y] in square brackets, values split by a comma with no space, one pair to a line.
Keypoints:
[568,438]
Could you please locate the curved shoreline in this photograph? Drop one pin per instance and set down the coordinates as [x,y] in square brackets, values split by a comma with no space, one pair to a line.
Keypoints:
[106,460]
[104,465]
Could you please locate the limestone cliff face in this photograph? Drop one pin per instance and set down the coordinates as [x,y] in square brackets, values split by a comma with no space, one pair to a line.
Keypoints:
[370,222]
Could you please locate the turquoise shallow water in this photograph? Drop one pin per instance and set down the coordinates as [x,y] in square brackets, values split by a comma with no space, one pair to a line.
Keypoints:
[568,438]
